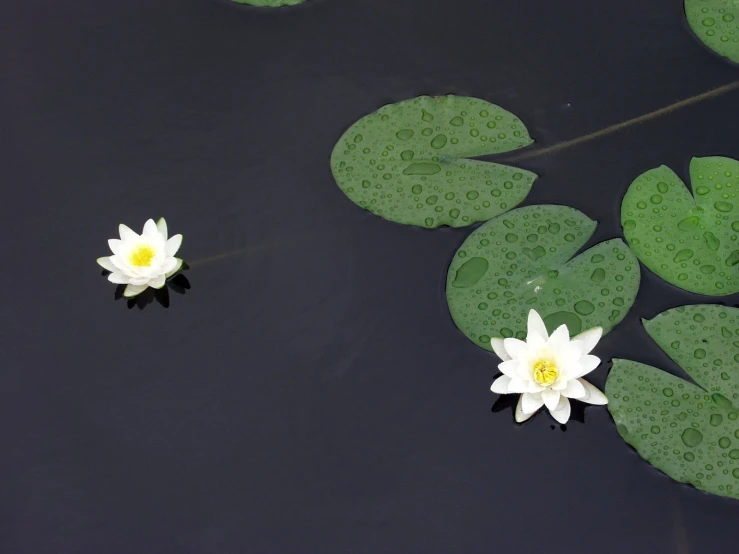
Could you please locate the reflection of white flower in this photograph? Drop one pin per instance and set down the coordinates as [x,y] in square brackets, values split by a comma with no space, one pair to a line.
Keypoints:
[546,370]
[144,260]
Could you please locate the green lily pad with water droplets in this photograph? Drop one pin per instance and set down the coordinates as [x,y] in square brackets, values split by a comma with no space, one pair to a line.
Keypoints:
[269,3]
[691,242]
[407,162]
[716,24]
[689,432]
[523,260]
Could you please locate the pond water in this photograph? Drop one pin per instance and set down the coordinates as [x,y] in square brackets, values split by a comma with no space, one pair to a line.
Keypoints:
[310,392]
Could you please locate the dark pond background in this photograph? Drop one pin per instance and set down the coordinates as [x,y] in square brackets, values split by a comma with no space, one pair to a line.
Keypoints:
[310,393]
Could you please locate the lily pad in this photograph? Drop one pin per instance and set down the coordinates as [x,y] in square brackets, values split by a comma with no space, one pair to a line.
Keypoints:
[716,24]
[406,161]
[691,242]
[269,3]
[689,432]
[522,260]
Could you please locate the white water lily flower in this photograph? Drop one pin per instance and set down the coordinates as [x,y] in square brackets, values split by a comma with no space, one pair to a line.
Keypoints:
[547,370]
[145,260]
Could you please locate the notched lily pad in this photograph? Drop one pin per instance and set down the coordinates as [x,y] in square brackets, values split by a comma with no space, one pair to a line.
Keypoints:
[716,24]
[689,432]
[522,260]
[691,242]
[407,161]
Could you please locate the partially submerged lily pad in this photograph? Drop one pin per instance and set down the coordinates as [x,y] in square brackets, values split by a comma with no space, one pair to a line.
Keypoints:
[407,161]
[522,260]
[691,242]
[269,3]
[716,24]
[689,432]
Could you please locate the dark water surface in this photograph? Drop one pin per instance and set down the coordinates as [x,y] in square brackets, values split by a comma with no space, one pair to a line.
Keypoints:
[310,393]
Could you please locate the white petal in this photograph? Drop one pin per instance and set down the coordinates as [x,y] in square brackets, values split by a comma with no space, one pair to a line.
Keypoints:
[162,228]
[118,278]
[517,349]
[560,337]
[592,394]
[133,290]
[535,387]
[157,282]
[126,233]
[517,385]
[535,342]
[139,281]
[568,355]
[585,365]
[119,263]
[509,368]
[173,245]
[550,398]
[500,385]
[175,269]
[536,327]
[531,402]
[521,416]
[562,412]
[587,340]
[150,229]
[574,389]
[499,349]
[107,265]
[168,265]
[116,245]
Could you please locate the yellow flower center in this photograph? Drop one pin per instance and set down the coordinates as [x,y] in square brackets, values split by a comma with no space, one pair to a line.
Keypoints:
[141,256]
[545,372]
